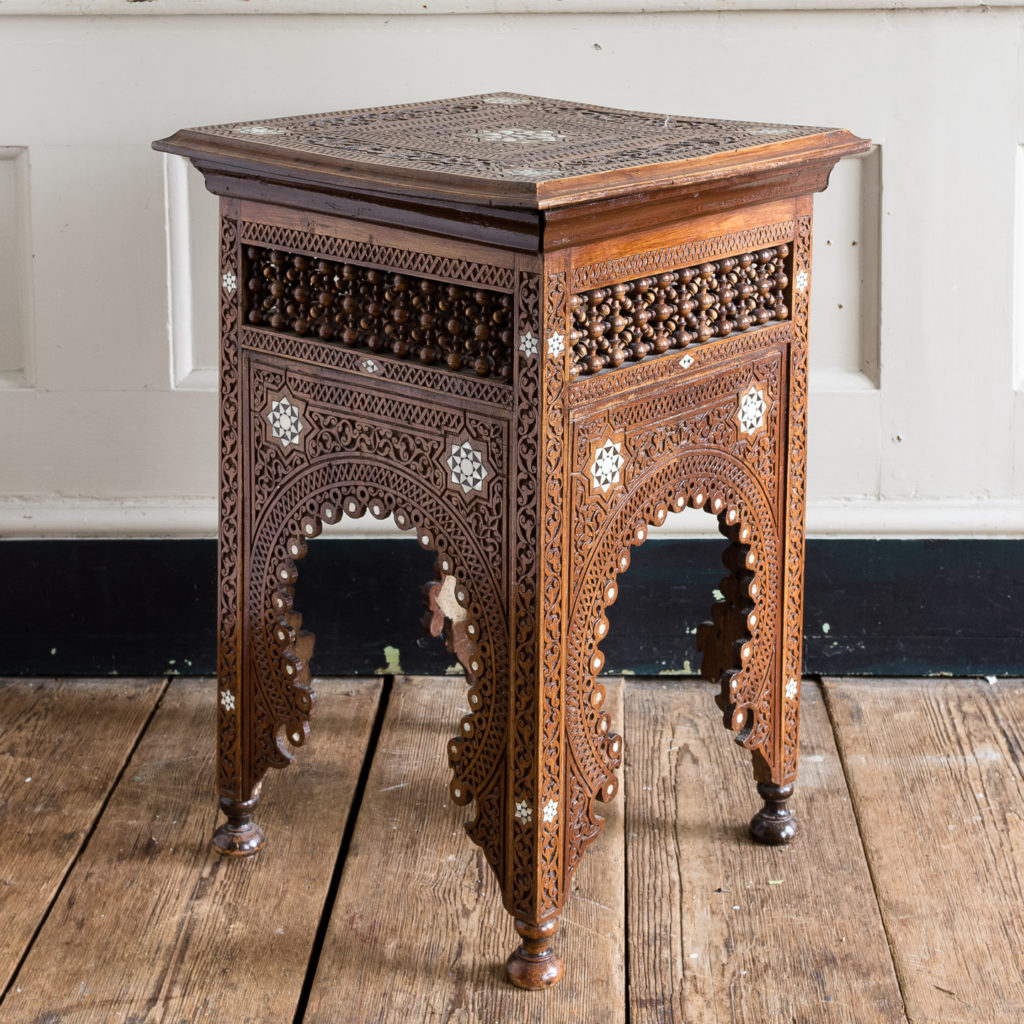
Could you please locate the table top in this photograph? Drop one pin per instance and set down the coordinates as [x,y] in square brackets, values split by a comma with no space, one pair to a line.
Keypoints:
[508,147]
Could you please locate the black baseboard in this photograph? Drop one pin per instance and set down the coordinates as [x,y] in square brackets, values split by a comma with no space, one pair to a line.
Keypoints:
[147,607]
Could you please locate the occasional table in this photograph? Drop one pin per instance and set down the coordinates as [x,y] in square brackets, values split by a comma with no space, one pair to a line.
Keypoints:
[526,330]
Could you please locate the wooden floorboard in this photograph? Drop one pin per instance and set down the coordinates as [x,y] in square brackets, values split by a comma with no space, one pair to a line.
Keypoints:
[935,772]
[131,918]
[62,745]
[151,925]
[418,932]
[720,928]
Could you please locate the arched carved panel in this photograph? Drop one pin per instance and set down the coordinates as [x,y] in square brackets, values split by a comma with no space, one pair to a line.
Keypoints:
[321,450]
[698,477]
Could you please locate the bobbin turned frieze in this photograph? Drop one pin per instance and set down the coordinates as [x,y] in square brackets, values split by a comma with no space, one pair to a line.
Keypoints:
[527,331]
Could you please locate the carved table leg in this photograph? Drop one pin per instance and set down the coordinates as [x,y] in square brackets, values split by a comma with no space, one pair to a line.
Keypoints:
[239,836]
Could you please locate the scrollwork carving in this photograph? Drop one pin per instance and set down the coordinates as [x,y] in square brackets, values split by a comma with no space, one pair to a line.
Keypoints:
[230,770]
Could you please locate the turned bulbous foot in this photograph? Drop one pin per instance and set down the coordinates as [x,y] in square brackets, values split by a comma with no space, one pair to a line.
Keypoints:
[774,824]
[534,965]
[239,836]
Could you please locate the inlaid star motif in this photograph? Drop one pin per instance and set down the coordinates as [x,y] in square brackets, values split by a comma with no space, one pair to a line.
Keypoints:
[752,409]
[551,810]
[520,136]
[230,282]
[801,280]
[607,466]
[285,424]
[259,129]
[227,699]
[531,172]
[523,812]
[369,366]
[791,688]
[467,466]
[528,344]
[556,344]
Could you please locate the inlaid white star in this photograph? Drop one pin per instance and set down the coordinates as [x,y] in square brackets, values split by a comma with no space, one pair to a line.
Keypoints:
[752,409]
[285,424]
[551,810]
[556,344]
[606,468]
[230,282]
[791,688]
[259,129]
[227,699]
[801,280]
[467,466]
[523,812]
[528,344]
[521,136]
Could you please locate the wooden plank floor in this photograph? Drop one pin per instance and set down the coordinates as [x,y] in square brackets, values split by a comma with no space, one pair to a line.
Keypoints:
[900,901]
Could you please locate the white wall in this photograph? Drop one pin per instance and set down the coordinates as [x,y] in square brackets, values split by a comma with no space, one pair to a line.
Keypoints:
[107,272]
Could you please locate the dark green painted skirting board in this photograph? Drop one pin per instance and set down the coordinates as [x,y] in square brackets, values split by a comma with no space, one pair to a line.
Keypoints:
[144,607]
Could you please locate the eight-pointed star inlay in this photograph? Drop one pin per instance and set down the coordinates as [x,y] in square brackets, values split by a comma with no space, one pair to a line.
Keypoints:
[752,409]
[285,424]
[467,466]
[606,468]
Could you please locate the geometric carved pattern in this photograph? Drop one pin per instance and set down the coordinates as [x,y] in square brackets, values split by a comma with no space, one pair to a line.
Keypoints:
[467,467]
[432,378]
[385,257]
[655,261]
[285,424]
[608,461]
[752,408]
[520,138]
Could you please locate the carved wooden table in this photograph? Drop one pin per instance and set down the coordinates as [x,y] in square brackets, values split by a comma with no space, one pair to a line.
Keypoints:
[527,330]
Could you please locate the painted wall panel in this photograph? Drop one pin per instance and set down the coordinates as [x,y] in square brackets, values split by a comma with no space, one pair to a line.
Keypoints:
[914,412]
[16,333]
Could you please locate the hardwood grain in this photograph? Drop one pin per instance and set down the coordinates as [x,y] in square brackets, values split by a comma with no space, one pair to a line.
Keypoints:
[62,745]
[722,929]
[418,933]
[154,926]
[935,773]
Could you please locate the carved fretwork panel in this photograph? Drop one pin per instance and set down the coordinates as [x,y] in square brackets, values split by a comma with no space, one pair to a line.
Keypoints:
[629,320]
[322,448]
[404,315]
[796,499]
[709,441]
[230,774]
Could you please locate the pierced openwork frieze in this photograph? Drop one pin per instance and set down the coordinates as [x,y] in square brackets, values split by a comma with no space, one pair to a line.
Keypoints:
[630,320]
[410,317]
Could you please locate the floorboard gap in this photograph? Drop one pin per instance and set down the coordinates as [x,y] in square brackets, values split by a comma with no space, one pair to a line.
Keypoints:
[830,711]
[85,838]
[626,848]
[346,842]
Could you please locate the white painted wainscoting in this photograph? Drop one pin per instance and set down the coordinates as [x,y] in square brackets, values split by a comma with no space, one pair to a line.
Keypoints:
[107,261]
